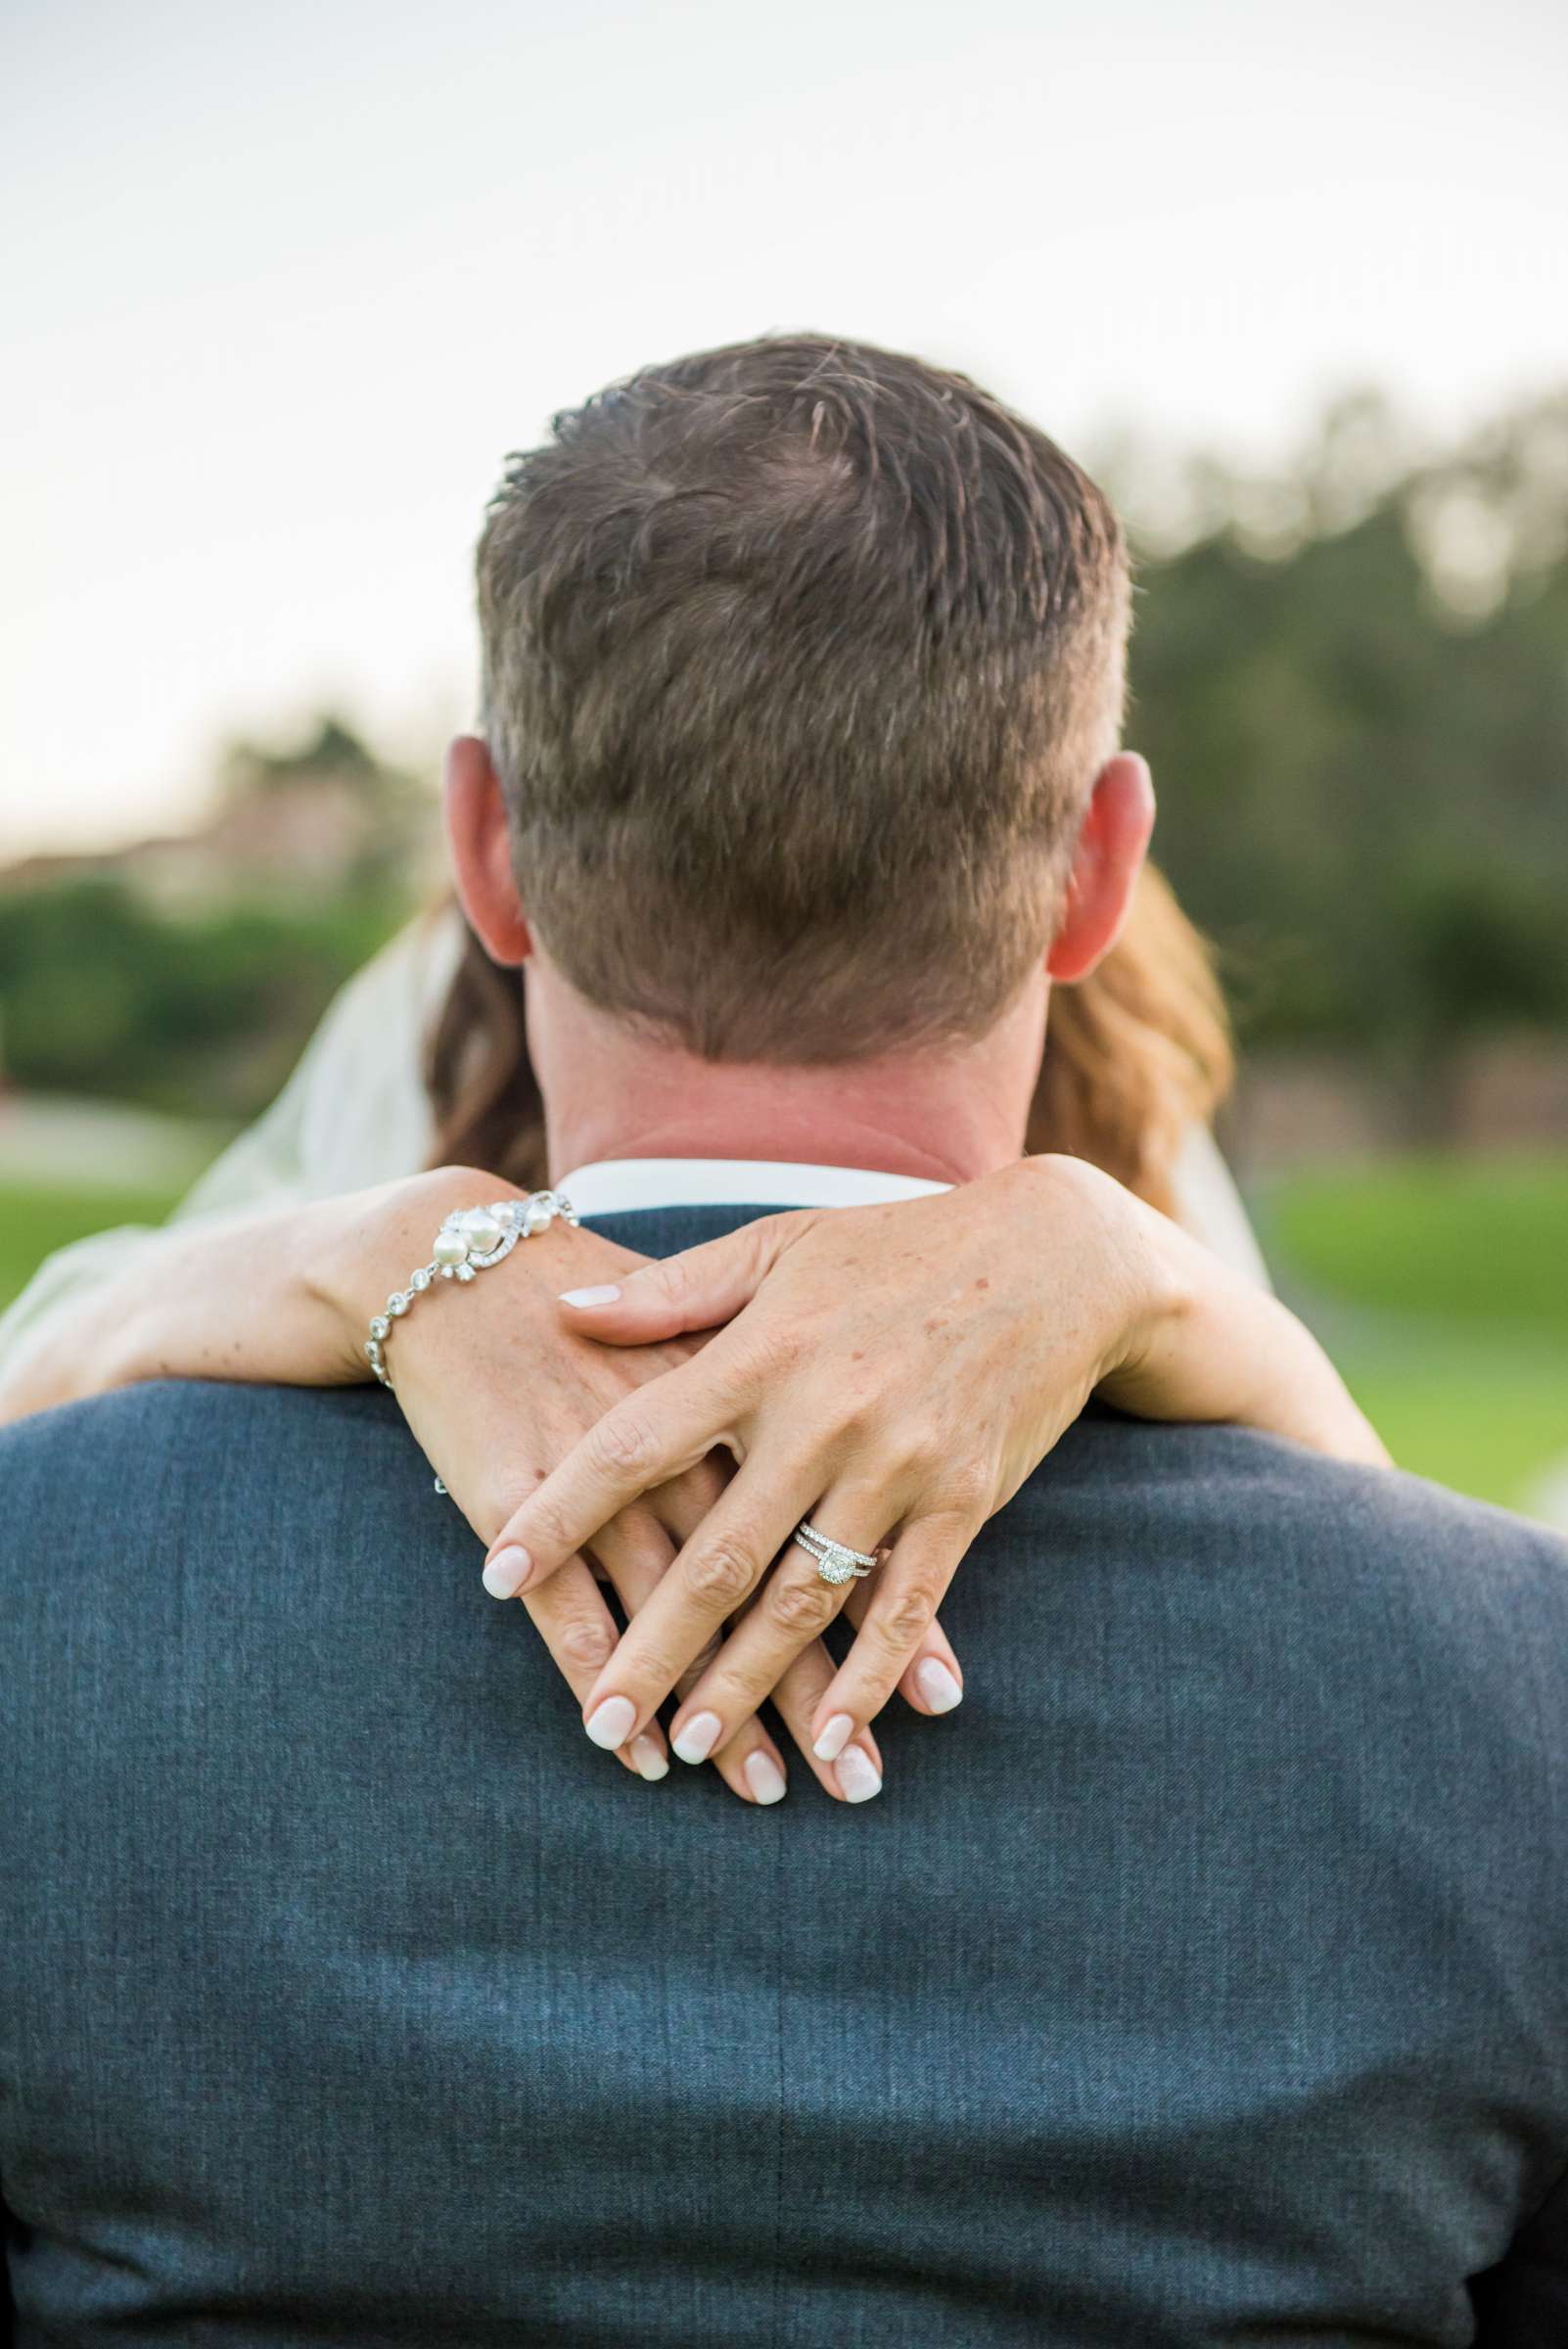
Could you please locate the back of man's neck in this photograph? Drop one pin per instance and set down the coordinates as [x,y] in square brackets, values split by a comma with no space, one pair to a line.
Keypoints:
[943,1115]
[811,1142]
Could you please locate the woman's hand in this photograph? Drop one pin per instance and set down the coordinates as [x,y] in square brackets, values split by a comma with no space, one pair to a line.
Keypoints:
[893,1373]
[496,1391]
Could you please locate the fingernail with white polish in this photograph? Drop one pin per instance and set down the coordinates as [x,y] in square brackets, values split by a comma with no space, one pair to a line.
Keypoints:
[937,1686]
[698,1738]
[859,1775]
[606,1294]
[612,1723]
[834,1739]
[653,1764]
[764,1777]
[506,1573]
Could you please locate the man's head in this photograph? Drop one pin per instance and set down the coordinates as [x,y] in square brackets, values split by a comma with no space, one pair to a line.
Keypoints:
[803,661]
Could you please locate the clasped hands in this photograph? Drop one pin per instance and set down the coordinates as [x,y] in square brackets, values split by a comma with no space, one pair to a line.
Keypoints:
[891,1373]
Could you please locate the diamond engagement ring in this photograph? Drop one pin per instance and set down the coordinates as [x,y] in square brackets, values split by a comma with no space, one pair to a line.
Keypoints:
[469,1242]
[835,1562]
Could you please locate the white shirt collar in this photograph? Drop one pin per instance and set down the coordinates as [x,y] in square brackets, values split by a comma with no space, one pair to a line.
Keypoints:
[610,1187]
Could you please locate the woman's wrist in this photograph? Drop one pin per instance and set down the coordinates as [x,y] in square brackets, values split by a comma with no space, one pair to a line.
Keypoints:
[1212,1346]
[1186,1336]
[362,1247]
[1144,1276]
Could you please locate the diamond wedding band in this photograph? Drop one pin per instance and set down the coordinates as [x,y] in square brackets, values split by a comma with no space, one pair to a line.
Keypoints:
[835,1562]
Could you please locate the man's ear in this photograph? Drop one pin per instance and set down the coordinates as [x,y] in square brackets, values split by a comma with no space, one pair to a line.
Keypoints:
[1111,843]
[481,842]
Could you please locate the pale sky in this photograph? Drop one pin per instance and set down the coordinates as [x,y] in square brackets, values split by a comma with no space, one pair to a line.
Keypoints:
[285,283]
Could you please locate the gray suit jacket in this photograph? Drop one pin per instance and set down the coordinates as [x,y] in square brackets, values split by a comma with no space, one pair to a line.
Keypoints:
[1203,1980]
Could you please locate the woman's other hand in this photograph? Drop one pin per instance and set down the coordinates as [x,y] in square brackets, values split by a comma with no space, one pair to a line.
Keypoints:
[893,1374]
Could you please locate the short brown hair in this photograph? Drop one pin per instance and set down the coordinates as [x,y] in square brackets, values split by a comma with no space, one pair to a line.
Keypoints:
[799,659]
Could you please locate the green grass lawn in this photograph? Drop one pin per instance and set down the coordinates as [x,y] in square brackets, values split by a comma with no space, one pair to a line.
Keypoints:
[1441,1289]
[1473,1241]
[35,1218]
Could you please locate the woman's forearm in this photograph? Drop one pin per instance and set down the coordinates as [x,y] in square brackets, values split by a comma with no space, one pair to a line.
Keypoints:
[235,1300]
[274,1298]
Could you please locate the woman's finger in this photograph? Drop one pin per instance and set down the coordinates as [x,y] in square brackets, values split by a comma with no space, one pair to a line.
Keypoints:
[894,1632]
[580,1632]
[793,1608]
[650,1437]
[934,1681]
[682,1506]
[697,1289]
[857,1775]
[637,1554]
[710,1581]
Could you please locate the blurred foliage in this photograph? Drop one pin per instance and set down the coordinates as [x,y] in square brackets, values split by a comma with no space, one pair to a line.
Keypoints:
[105,993]
[1352,686]
[1351,677]
[186,975]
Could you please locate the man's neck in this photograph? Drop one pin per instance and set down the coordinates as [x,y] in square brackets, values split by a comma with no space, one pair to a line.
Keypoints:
[947,1115]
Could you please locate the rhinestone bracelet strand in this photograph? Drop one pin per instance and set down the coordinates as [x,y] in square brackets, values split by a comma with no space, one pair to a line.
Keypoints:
[469,1242]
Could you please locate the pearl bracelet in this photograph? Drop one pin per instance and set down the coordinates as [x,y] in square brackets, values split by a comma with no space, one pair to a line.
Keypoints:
[469,1241]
